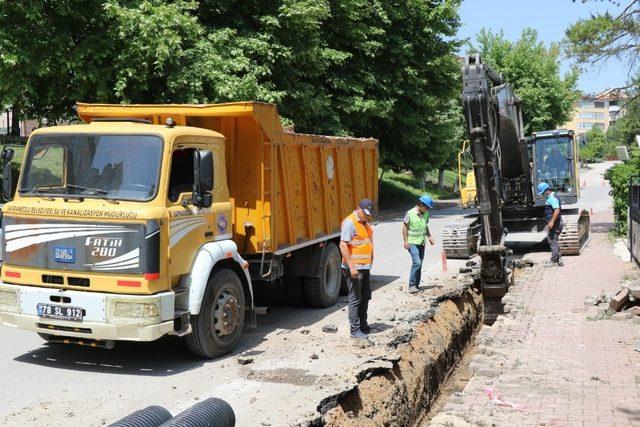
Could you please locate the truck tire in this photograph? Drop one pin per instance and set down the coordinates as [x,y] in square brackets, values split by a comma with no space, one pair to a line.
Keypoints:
[323,291]
[293,292]
[217,328]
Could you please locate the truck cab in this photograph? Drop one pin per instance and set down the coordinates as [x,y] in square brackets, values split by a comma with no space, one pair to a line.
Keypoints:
[107,230]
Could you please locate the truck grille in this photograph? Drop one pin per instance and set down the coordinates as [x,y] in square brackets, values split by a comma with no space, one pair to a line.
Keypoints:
[78,281]
[54,280]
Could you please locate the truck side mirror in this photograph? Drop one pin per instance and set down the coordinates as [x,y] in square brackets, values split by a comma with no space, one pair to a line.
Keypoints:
[203,178]
[7,183]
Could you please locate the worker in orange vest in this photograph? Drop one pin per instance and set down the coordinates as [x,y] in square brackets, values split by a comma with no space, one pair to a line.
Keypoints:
[356,246]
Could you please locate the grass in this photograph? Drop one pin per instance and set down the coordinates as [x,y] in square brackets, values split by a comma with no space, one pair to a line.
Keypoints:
[404,188]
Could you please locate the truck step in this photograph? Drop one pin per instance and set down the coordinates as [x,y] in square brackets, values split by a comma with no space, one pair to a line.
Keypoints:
[181,323]
[180,291]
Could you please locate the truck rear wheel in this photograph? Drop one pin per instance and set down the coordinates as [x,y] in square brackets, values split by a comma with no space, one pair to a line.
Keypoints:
[323,291]
[217,328]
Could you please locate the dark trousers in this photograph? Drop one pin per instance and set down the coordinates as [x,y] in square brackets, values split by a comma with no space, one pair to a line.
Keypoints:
[417,256]
[359,296]
[553,235]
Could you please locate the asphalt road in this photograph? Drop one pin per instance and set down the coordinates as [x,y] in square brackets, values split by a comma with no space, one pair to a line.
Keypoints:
[55,384]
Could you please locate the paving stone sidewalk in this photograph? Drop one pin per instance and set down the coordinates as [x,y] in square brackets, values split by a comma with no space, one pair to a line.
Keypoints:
[548,362]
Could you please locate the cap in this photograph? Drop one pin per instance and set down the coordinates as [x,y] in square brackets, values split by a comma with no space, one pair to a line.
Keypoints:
[367,206]
[542,187]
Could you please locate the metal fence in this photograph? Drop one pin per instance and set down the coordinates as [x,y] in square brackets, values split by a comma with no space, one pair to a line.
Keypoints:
[634,218]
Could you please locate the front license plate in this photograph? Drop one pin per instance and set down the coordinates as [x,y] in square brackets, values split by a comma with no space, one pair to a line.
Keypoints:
[59,312]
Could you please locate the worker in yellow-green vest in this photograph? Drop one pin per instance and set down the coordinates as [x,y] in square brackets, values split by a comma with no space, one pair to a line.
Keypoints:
[415,232]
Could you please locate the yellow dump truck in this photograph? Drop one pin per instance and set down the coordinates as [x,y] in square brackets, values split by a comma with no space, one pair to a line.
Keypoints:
[151,220]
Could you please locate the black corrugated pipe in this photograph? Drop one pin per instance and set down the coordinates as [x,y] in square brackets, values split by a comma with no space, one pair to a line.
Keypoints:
[212,412]
[153,416]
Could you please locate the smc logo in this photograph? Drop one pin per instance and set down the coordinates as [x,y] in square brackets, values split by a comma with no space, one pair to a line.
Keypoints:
[64,254]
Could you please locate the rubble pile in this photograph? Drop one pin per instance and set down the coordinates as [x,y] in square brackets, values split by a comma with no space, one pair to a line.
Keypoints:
[624,304]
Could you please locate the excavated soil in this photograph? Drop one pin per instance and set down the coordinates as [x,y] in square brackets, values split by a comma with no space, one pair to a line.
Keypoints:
[398,389]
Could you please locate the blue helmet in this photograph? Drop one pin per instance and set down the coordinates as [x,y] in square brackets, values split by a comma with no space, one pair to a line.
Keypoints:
[542,187]
[427,200]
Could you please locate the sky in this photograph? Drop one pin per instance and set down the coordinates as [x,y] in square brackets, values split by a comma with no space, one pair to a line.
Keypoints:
[550,18]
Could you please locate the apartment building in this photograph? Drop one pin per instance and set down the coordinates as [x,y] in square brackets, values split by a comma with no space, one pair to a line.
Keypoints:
[599,110]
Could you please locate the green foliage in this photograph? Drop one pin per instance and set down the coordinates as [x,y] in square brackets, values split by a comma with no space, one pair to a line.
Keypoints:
[625,129]
[534,72]
[618,177]
[596,147]
[403,189]
[358,67]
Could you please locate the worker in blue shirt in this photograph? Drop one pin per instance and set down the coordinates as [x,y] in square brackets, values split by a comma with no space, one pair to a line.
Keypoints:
[553,216]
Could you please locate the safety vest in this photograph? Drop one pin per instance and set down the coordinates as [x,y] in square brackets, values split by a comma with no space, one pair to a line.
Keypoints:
[417,226]
[361,244]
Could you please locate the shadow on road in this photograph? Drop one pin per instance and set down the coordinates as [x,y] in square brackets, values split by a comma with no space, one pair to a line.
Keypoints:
[170,355]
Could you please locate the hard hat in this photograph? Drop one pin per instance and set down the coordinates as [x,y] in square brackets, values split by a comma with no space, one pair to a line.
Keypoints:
[427,200]
[542,187]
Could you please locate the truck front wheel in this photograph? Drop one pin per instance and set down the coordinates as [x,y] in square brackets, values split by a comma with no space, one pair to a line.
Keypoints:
[323,291]
[217,328]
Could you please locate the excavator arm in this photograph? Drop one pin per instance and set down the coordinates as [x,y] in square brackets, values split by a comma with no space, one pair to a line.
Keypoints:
[494,125]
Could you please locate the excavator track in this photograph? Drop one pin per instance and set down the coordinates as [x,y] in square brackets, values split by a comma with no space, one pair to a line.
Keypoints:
[575,234]
[460,238]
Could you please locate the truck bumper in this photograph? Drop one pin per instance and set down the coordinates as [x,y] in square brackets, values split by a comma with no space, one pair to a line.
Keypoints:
[106,316]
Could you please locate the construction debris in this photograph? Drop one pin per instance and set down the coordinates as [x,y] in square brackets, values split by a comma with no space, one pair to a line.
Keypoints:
[623,305]
[619,300]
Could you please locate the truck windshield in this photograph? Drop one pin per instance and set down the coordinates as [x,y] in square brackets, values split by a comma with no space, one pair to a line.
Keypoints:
[113,167]
[554,159]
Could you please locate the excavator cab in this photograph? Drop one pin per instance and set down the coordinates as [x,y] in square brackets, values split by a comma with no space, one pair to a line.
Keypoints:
[554,160]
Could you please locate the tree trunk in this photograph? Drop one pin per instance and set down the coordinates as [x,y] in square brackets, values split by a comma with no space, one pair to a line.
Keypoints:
[440,179]
[380,188]
[15,123]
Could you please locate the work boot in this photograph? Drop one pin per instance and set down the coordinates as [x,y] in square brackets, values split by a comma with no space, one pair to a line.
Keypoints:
[365,329]
[413,289]
[560,262]
[359,335]
[550,263]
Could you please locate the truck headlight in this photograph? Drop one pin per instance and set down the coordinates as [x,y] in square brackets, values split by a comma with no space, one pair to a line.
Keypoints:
[136,310]
[9,300]
[139,313]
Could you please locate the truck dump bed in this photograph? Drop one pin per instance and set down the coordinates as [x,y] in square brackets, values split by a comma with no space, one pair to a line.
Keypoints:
[287,189]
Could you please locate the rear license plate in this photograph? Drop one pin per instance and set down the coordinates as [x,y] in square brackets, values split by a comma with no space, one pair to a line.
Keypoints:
[59,312]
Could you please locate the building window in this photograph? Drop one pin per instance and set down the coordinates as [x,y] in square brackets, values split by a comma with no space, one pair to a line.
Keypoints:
[585,125]
[599,104]
[598,125]
[597,115]
[585,104]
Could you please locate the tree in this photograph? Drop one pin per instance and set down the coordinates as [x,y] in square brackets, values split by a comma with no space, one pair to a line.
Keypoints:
[358,67]
[534,72]
[605,36]
[625,129]
[596,145]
